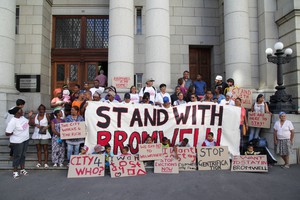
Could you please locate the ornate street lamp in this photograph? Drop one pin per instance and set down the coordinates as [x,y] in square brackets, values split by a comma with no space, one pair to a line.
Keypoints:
[280,101]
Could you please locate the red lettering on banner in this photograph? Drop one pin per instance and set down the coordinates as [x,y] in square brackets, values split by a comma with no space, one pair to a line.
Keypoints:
[103,137]
[137,137]
[119,143]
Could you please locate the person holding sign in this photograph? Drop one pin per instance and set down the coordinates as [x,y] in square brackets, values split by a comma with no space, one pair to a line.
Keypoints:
[283,138]
[58,146]
[259,107]
[73,144]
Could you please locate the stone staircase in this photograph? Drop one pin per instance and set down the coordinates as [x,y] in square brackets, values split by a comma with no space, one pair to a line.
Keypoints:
[31,156]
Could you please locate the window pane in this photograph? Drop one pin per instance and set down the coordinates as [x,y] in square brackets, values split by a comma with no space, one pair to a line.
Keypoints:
[92,68]
[73,72]
[139,23]
[67,33]
[97,33]
[60,72]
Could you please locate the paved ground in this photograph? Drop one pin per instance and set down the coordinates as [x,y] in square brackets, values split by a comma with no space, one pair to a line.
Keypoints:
[222,185]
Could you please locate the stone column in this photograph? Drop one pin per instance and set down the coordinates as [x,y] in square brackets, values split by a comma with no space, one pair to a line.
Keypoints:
[7,45]
[237,42]
[121,40]
[158,41]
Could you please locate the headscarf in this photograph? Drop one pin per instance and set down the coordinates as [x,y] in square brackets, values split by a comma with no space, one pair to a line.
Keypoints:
[56,91]
[282,113]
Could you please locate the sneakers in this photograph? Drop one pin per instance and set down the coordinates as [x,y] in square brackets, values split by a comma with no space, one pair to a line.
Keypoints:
[24,172]
[55,165]
[16,175]
[285,166]
[46,166]
[61,165]
[38,165]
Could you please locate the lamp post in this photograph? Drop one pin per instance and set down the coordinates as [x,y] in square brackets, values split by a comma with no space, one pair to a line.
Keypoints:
[280,101]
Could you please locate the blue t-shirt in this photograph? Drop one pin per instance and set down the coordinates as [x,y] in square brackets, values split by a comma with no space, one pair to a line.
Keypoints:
[200,86]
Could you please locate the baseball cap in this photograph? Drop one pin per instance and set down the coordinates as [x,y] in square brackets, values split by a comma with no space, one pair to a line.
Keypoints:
[166,100]
[126,96]
[150,80]
[219,78]
[86,148]
[98,148]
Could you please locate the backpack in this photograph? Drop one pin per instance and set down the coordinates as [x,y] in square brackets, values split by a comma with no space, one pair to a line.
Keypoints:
[153,88]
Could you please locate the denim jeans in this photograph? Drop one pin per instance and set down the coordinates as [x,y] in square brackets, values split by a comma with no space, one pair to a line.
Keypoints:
[70,150]
[19,153]
[254,133]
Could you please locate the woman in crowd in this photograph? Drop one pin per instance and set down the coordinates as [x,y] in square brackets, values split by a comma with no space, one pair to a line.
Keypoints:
[260,106]
[283,138]
[18,130]
[243,122]
[73,144]
[208,97]
[116,96]
[134,96]
[58,146]
[77,102]
[57,102]
[181,84]
[41,135]
[191,90]
[180,100]
[227,100]
[219,94]
[194,97]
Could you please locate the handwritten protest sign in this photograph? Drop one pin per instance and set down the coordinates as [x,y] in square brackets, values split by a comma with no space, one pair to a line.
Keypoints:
[166,165]
[150,151]
[121,82]
[250,163]
[213,158]
[72,130]
[123,166]
[261,120]
[86,166]
[244,94]
[186,158]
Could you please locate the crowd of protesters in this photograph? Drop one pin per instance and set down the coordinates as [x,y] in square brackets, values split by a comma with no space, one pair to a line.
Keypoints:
[69,105]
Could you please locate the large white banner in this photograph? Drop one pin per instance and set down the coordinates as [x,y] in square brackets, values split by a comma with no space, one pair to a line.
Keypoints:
[123,124]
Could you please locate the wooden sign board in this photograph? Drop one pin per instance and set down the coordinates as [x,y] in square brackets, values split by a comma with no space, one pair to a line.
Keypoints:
[260,120]
[150,151]
[166,165]
[250,163]
[123,166]
[213,158]
[82,166]
[244,94]
[72,130]
[186,158]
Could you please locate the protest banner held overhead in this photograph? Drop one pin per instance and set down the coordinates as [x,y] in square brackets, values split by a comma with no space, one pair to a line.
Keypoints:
[86,166]
[122,124]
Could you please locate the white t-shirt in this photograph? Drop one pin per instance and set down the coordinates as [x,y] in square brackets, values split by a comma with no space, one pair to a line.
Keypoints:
[151,91]
[224,102]
[93,90]
[134,98]
[20,129]
[284,131]
[160,96]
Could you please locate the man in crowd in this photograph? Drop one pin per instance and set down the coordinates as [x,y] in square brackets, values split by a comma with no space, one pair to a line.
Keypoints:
[150,89]
[219,82]
[188,81]
[96,88]
[102,79]
[200,86]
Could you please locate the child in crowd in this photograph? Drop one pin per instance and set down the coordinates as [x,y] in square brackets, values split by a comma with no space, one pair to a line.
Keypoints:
[148,140]
[250,151]
[108,153]
[125,151]
[66,96]
[165,142]
[84,150]
[209,141]
[98,149]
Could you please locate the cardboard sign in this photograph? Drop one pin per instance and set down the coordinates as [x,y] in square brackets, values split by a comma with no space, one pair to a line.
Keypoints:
[260,120]
[86,166]
[213,158]
[121,82]
[123,166]
[249,163]
[72,130]
[244,94]
[166,165]
[150,151]
[186,158]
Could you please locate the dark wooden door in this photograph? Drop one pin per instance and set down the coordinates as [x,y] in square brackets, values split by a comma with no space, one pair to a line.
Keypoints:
[200,63]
